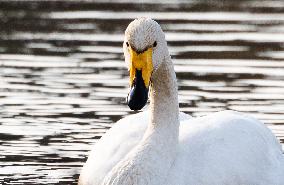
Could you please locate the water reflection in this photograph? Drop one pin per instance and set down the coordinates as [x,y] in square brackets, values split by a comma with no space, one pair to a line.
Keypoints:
[63,81]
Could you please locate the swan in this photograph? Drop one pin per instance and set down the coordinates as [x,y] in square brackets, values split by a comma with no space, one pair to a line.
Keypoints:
[162,146]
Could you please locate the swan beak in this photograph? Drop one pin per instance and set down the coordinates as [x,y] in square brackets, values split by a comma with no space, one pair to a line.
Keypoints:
[140,73]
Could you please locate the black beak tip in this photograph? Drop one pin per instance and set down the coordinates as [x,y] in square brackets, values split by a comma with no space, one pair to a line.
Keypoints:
[136,100]
[138,95]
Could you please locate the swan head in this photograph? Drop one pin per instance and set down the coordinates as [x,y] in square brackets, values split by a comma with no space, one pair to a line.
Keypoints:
[145,48]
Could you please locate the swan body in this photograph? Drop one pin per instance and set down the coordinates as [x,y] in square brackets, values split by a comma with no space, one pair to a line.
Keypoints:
[214,150]
[163,146]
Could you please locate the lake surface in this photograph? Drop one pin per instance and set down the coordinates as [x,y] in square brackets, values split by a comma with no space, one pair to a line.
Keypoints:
[63,81]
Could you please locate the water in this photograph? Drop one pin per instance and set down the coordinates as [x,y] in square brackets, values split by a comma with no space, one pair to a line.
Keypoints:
[63,81]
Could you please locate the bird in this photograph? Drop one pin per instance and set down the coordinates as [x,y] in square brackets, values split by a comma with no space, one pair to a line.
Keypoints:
[163,146]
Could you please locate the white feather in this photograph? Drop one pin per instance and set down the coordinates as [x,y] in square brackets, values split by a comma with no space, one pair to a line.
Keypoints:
[164,147]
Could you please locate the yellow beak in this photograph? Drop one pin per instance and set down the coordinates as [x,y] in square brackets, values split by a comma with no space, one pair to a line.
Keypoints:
[143,63]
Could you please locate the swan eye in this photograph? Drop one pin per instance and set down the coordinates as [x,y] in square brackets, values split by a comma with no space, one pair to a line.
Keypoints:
[127,44]
[155,44]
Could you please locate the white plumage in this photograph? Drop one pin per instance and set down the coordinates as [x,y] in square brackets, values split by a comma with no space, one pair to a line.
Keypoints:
[164,147]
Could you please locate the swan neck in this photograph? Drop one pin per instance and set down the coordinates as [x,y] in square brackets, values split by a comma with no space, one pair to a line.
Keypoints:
[152,159]
[164,105]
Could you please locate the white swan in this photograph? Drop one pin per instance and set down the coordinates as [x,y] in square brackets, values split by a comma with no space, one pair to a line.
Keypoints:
[164,147]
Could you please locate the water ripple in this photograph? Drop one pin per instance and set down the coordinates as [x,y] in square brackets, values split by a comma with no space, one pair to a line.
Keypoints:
[63,81]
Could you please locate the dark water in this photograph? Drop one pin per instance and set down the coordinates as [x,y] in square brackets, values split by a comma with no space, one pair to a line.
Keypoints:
[63,81]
